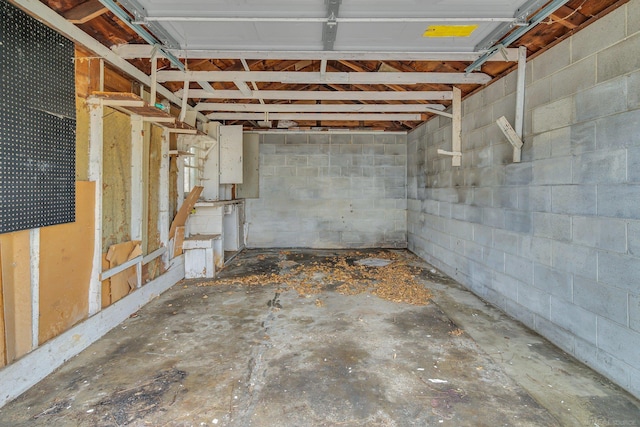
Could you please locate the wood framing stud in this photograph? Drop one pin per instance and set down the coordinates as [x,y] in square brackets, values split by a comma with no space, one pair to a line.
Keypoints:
[323,95]
[456,128]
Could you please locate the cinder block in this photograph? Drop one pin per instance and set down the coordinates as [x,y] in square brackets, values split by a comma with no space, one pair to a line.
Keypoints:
[534,300]
[297,138]
[385,139]
[319,139]
[603,300]
[633,83]
[483,235]
[483,196]
[458,211]
[552,281]
[602,100]
[634,311]
[603,362]
[494,259]
[505,286]
[343,139]
[583,138]
[350,149]
[633,21]
[504,107]
[552,171]
[602,166]
[307,171]
[620,201]
[267,149]
[619,340]
[296,160]
[564,82]
[493,217]
[602,233]
[518,221]
[605,32]
[395,150]
[618,131]
[520,313]
[272,160]
[617,270]
[338,160]
[534,199]
[574,319]
[473,214]
[555,115]
[536,248]
[473,250]
[384,160]
[553,60]
[540,146]
[633,238]
[560,141]
[506,241]
[519,173]
[575,259]
[520,268]
[633,164]
[376,149]
[318,160]
[553,226]
[574,199]
[616,60]
[273,138]
[362,138]
[285,171]
[538,93]
[560,337]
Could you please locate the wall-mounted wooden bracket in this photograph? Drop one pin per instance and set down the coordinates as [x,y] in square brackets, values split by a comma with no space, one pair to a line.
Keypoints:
[512,137]
[456,129]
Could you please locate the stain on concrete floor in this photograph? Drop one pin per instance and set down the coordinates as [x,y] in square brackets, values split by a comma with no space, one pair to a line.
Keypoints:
[237,355]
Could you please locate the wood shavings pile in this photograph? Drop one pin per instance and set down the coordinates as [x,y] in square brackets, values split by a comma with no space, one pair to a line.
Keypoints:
[395,282]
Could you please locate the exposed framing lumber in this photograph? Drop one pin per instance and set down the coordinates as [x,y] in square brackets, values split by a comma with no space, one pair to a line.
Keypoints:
[133,51]
[337,117]
[456,127]
[321,108]
[399,78]
[520,91]
[95,174]
[325,95]
[85,12]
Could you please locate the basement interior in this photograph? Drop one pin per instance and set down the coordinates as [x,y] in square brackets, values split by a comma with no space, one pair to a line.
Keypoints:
[320,213]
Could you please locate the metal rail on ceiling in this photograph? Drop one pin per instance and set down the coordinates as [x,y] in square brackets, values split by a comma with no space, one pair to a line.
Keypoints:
[517,33]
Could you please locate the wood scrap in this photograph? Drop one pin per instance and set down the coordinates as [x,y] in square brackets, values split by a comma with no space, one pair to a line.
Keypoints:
[185,209]
[178,241]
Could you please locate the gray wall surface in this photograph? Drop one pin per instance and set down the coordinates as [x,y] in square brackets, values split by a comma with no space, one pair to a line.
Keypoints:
[322,190]
[555,240]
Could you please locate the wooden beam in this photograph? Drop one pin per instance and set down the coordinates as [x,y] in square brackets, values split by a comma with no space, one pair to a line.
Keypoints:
[338,117]
[326,95]
[456,127]
[133,51]
[316,77]
[85,12]
[320,108]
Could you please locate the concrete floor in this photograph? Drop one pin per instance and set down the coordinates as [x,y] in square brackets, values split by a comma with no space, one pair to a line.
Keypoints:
[266,356]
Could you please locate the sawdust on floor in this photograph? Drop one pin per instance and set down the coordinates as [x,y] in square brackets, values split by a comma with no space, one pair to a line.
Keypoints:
[397,282]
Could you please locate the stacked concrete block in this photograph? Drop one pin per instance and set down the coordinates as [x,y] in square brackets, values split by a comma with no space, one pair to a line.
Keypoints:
[555,240]
[323,190]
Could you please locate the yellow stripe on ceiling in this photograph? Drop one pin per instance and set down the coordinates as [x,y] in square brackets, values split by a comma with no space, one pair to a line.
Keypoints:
[449,30]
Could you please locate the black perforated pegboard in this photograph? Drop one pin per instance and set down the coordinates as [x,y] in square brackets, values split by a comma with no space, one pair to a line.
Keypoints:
[37,123]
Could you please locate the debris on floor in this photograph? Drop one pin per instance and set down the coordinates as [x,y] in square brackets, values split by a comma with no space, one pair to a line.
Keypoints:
[385,274]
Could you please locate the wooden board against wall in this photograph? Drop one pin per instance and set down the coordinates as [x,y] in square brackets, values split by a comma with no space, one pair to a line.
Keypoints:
[116,188]
[154,268]
[66,259]
[16,288]
[3,349]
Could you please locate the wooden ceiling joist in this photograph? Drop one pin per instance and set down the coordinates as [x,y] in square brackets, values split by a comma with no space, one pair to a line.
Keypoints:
[320,108]
[317,116]
[316,77]
[324,95]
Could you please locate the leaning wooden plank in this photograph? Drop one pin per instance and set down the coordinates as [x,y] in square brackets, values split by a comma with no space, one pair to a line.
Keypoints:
[183,212]
[119,254]
[177,247]
[85,12]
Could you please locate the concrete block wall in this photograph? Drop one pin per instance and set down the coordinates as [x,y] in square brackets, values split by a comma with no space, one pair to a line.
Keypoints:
[329,190]
[555,240]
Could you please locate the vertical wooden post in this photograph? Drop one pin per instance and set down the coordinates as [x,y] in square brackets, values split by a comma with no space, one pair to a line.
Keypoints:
[34,252]
[95,175]
[137,181]
[520,93]
[456,127]
[163,217]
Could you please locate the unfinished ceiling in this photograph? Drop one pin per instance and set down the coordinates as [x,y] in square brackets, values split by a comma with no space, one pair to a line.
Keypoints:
[325,64]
